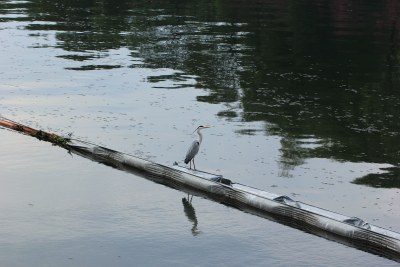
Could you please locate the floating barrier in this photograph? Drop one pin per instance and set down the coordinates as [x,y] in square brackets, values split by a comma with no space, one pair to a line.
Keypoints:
[347,230]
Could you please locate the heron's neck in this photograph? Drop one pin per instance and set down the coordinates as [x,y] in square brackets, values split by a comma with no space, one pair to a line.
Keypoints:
[200,136]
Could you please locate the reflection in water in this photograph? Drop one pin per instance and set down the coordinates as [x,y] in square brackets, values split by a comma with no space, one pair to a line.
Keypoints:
[190,213]
[329,69]
[383,180]
[291,156]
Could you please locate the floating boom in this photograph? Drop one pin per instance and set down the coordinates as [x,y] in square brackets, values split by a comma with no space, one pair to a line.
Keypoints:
[350,231]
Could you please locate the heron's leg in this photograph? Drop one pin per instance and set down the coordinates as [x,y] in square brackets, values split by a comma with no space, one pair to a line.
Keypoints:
[194,166]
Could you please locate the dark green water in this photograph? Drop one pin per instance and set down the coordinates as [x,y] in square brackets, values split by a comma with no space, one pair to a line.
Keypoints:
[304,97]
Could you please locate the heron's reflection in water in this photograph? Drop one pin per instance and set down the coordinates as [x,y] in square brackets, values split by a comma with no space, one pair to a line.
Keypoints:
[190,213]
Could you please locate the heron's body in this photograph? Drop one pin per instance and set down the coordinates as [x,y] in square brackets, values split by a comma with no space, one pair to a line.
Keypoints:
[192,151]
[194,147]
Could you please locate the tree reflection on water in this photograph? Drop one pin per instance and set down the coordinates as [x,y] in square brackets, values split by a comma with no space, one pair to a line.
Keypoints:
[325,69]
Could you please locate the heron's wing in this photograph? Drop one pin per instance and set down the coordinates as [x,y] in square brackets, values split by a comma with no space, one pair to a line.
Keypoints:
[192,151]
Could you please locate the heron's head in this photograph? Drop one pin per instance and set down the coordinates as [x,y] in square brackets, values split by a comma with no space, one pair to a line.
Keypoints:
[202,127]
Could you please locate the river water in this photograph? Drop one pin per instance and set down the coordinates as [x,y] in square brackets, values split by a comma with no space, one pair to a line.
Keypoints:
[303,97]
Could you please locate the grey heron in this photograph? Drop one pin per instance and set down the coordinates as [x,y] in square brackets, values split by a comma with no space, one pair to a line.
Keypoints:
[194,147]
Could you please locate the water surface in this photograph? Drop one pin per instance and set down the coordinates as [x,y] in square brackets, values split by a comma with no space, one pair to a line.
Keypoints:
[303,97]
